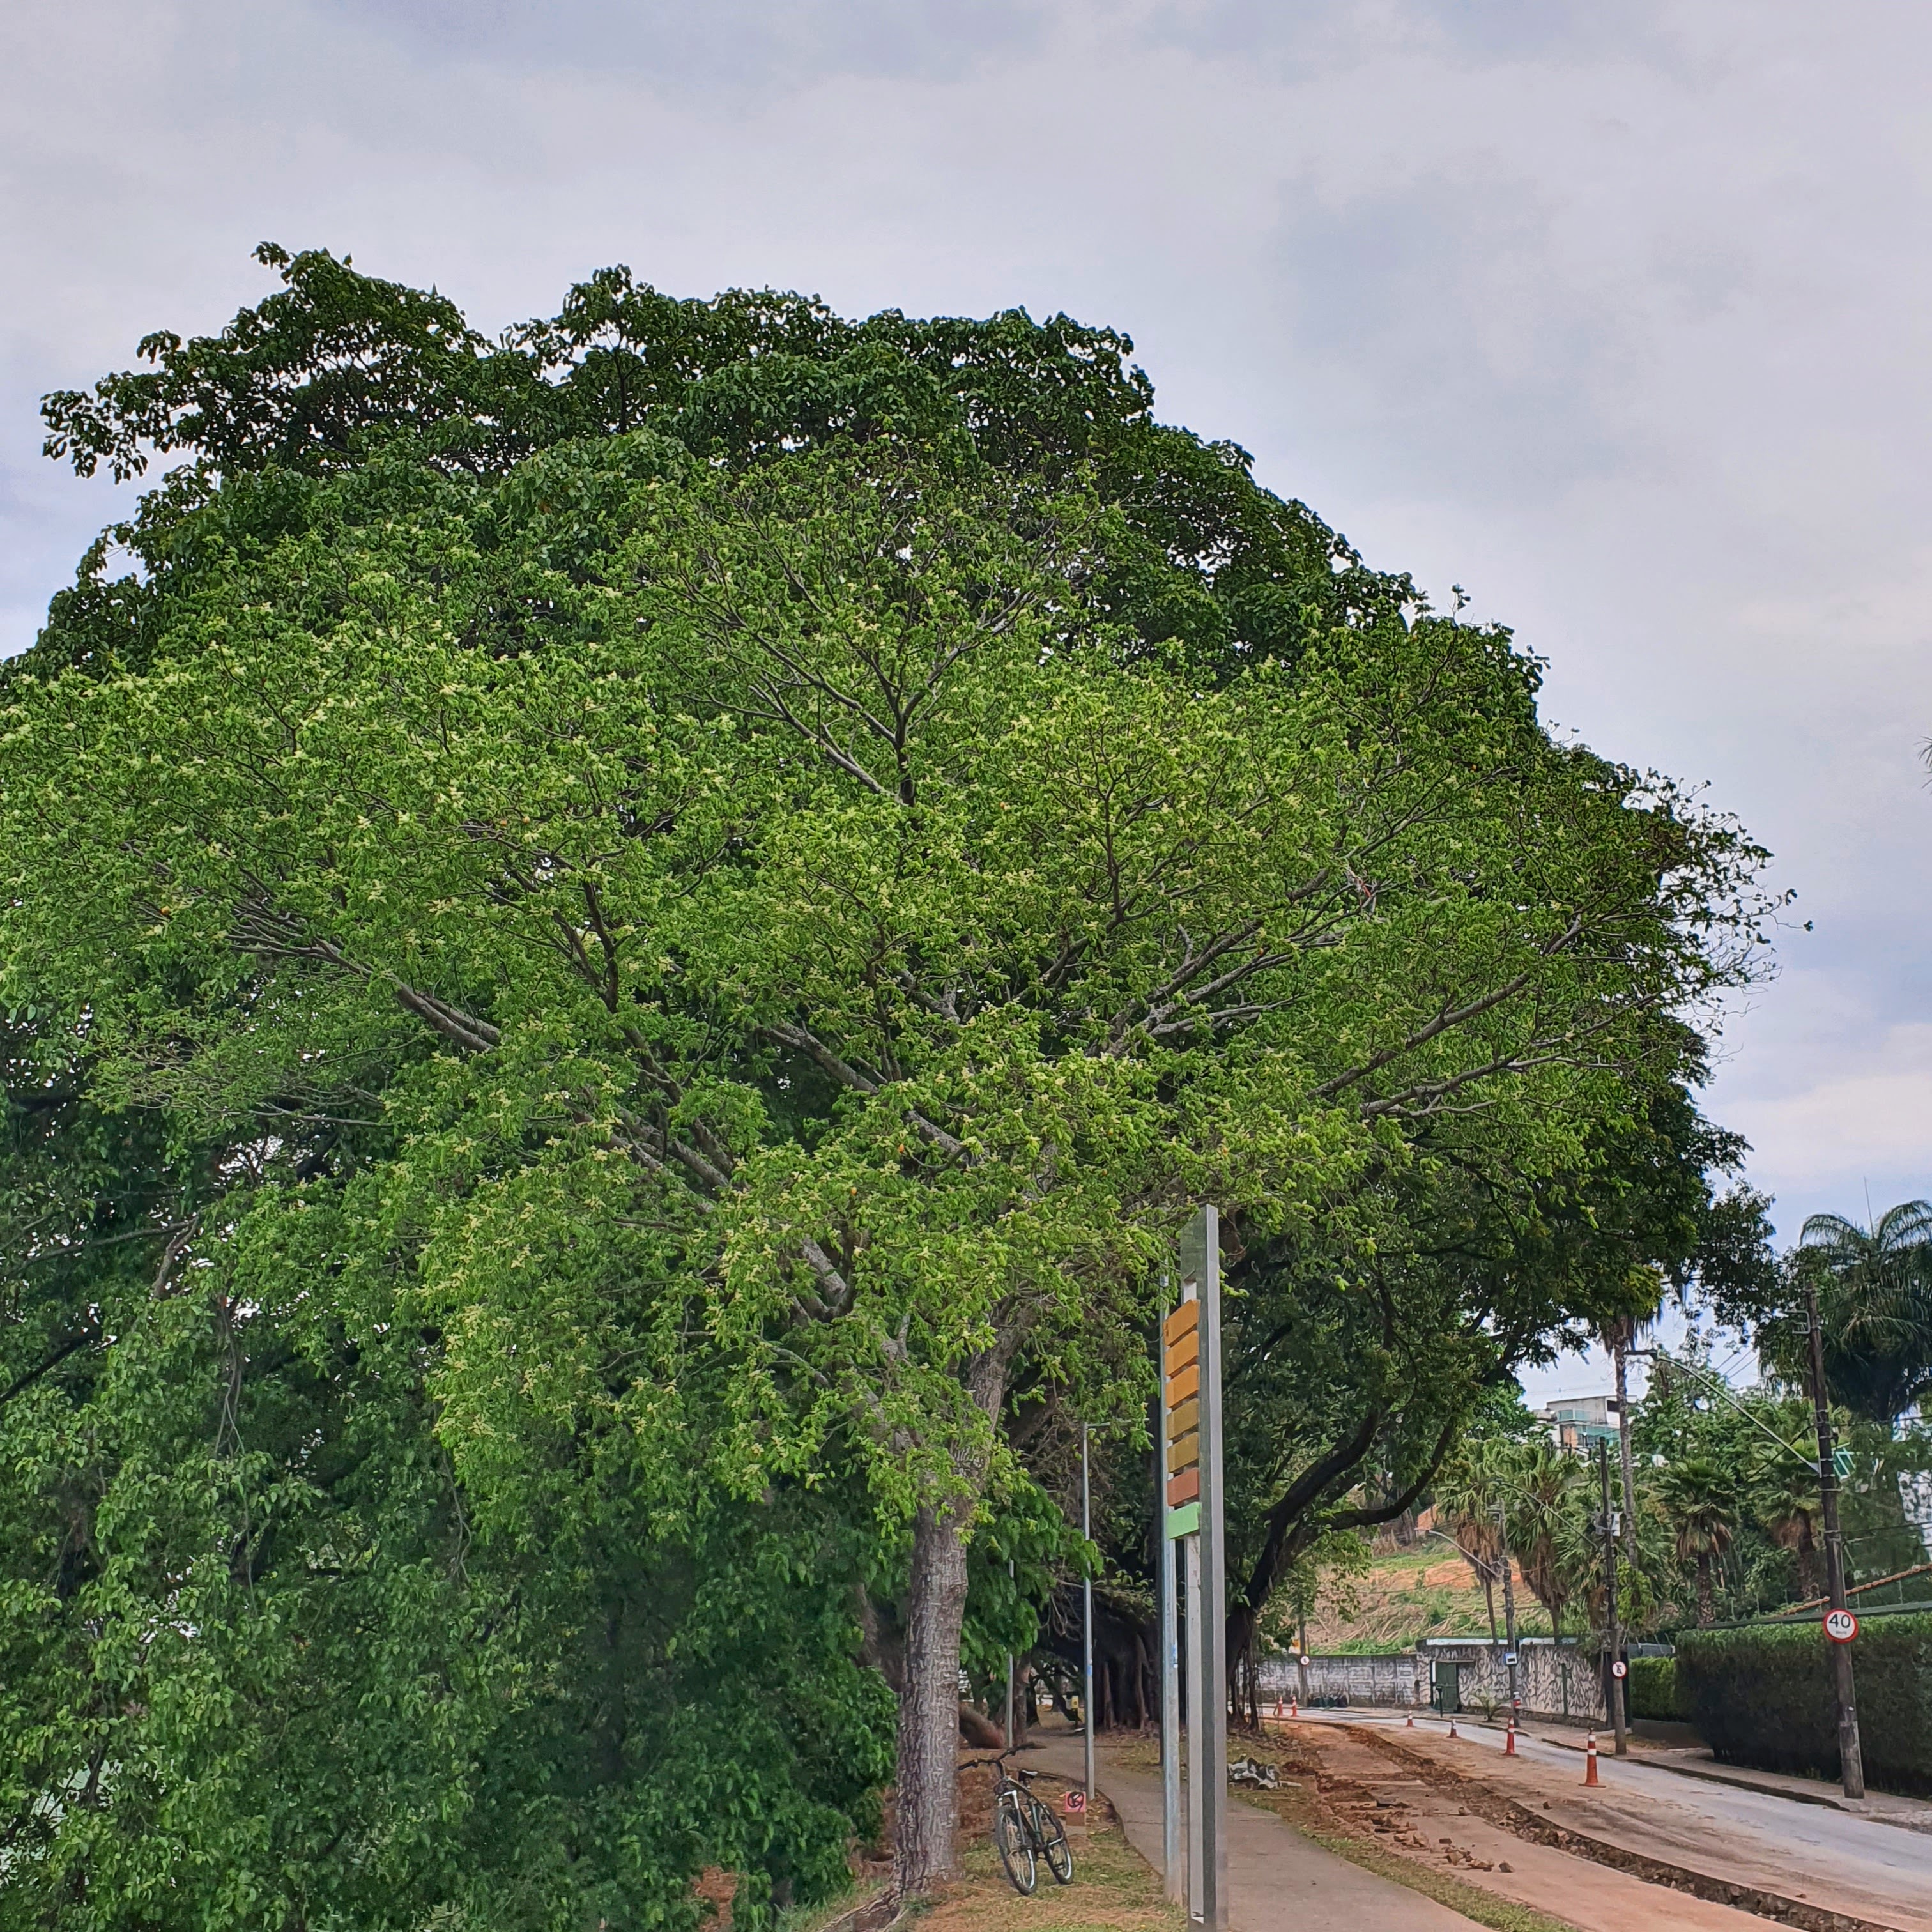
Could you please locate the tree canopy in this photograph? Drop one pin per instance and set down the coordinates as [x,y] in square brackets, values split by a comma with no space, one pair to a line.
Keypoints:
[655,924]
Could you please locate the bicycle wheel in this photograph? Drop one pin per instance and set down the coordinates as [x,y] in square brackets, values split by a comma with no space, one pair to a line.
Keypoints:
[1052,1835]
[1016,1845]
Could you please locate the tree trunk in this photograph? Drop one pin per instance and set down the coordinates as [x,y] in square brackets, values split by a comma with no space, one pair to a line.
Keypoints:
[1707,1606]
[1808,1567]
[929,1732]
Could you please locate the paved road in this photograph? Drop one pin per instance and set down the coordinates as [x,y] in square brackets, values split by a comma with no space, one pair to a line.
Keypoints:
[1278,1880]
[1797,1850]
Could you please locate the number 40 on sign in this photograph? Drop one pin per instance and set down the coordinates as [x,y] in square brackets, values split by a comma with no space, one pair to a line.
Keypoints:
[1840,1626]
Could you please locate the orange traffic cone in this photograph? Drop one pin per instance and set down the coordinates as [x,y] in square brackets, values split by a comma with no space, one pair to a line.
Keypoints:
[1509,1742]
[1452,1727]
[1295,1707]
[1410,1725]
[1590,1760]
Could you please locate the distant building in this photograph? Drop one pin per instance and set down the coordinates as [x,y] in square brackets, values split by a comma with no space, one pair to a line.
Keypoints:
[1915,1492]
[1579,1422]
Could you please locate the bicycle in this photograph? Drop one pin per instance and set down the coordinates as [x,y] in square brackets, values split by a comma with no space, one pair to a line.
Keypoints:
[1025,1831]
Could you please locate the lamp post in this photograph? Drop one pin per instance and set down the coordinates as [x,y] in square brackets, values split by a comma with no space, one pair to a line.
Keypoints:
[1011,1577]
[1087,1632]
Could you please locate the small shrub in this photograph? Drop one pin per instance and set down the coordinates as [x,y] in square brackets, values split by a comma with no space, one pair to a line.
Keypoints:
[1762,1695]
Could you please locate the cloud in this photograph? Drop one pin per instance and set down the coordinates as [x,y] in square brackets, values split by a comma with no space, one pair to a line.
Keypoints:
[729,44]
[1614,315]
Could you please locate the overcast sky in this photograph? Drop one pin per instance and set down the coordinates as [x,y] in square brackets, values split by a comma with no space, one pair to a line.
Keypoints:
[1615,314]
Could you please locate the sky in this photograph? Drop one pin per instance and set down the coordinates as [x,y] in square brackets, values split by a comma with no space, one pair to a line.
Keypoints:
[1615,314]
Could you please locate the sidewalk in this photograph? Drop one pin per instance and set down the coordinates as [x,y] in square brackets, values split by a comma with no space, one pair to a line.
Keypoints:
[1278,1881]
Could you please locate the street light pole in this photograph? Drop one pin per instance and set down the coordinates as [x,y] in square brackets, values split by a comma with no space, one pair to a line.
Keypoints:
[1011,1577]
[1616,1692]
[1851,1758]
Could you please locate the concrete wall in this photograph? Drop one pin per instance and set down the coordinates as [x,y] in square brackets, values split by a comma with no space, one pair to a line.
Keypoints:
[1401,1679]
[1551,1683]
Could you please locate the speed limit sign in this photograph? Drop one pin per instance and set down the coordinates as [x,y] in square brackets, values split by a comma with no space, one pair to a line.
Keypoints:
[1840,1626]
[1620,1669]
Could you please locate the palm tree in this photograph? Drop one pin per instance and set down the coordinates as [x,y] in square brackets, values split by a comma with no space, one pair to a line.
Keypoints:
[1788,1506]
[1544,1481]
[1875,1307]
[1467,1494]
[1700,1503]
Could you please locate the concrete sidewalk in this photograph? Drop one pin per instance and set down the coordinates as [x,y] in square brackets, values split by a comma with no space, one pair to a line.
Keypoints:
[1278,1880]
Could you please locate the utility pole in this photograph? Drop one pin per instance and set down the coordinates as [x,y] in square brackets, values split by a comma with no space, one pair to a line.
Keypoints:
[1509,1608]
[1087,1632]
[1851,1758]
[1616,1693]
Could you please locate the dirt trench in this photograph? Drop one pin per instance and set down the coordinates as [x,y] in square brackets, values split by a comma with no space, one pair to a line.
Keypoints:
[1378,1787]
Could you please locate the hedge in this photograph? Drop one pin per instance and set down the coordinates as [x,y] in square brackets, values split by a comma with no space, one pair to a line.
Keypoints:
[1761,1695]
[1652,1689]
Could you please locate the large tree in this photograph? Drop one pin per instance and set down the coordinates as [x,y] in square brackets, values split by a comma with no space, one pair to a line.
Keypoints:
[801,869]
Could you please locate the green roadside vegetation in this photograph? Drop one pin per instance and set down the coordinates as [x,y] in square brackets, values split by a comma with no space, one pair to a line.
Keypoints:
[1113,1890]
[627,943]
[1404,1596]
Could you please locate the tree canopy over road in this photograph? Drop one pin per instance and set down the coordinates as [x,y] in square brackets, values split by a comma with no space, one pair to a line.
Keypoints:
[631,943]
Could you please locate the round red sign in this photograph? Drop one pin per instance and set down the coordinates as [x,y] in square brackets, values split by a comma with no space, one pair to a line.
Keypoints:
[1840,1626]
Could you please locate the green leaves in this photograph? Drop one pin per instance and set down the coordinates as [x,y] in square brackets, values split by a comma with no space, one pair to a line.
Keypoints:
[685,902]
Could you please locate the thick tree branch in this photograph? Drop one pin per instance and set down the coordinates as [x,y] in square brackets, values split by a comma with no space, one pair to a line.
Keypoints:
[1443,1021]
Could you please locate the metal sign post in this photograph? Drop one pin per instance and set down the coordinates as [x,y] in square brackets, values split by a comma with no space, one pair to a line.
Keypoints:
[1509,1609]
[1172,1871]
[1191,1434]
[1851,1754]
[1615,1697]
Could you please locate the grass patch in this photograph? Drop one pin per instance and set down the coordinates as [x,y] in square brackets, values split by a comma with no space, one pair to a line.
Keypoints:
[1113,1890]
[827,1911]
